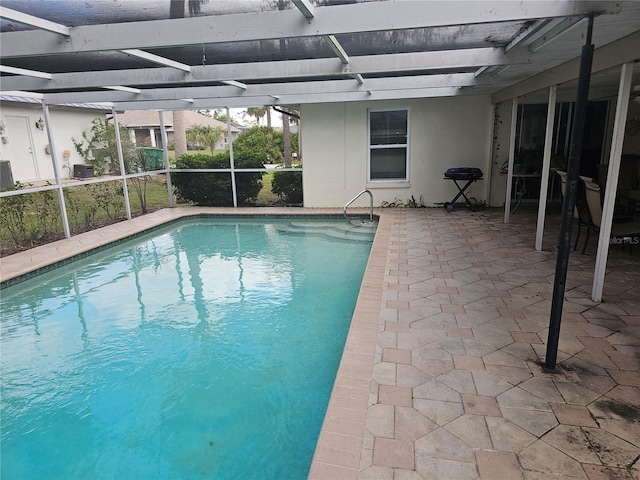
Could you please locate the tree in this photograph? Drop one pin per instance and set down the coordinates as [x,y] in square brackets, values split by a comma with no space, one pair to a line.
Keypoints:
[179,134]
[286,136]
[288,116]
[98,147]
[141,163]
[205,135]
[268,117]
[257,112]
[279,138]
[258,142]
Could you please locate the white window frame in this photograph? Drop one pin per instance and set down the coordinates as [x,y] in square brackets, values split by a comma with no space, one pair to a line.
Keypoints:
[395,145]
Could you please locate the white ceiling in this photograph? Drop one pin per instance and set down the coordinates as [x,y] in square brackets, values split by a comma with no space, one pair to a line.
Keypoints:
[241,53]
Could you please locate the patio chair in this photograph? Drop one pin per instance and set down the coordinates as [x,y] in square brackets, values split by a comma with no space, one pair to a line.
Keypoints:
[622,231]
[580,211]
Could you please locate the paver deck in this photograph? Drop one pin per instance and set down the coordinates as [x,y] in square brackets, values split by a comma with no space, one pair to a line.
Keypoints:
[459,307]
[441,377]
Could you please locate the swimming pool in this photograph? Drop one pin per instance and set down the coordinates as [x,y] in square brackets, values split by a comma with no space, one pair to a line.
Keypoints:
[206,349]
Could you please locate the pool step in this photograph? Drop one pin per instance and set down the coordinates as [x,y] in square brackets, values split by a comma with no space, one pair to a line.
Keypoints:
[355,232]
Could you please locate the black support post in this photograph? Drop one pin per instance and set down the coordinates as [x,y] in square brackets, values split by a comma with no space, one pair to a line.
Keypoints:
[569,202]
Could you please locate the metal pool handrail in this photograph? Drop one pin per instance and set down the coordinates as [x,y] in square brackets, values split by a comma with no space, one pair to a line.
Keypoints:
[344,210]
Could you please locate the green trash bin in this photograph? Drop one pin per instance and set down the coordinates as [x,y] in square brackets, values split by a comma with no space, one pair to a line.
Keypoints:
[154,158]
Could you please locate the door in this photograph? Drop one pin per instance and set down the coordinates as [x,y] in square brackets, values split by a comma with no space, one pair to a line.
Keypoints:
[21,156]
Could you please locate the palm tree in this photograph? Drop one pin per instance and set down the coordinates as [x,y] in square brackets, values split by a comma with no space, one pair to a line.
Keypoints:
[179,139]
[286,132]
[289,116]
[205,135]
[257,112]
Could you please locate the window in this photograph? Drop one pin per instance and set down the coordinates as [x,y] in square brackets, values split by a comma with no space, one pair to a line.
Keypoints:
[389,145]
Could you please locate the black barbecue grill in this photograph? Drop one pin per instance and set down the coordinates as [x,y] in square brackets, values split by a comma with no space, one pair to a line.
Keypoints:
[468,174]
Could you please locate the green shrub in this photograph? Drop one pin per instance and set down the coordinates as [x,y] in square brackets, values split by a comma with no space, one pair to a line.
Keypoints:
[287,185]
[12,214]
[109,197]
[214,189]
[30,216]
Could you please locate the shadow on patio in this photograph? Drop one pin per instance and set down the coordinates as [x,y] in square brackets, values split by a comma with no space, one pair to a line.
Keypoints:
[458,391]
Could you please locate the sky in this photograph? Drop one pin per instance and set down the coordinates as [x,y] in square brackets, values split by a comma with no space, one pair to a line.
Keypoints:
[240,115]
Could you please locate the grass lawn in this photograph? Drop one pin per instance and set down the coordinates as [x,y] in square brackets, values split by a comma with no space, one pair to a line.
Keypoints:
[266,197]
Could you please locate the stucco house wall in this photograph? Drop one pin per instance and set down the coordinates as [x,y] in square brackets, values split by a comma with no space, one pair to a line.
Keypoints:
[26,147]
[443,133]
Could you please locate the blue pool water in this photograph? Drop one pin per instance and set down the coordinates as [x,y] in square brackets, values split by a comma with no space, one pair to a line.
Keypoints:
[206,349]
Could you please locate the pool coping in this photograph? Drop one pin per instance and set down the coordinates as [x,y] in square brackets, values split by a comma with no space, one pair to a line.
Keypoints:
[342,436]
[346,412]
[35,261]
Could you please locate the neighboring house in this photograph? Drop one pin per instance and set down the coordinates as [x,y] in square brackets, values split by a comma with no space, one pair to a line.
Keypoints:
[144,126]
[24,145]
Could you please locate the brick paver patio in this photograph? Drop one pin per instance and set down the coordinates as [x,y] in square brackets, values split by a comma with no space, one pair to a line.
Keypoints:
[445,353]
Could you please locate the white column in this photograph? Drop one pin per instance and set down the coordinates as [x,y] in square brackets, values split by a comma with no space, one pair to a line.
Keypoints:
[546,164]
[123,172]
[512,150]
[56,171]
[231,162]
[165,150]
[152,135]
[622,106]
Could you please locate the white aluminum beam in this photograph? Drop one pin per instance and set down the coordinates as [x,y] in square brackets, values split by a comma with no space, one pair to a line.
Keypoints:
[158,59]
[363,65]
[306,7]
[37,22]
[281,89]
[120,88]
[22,93]
[297,99]
[560,27]
[330,20]
[527,34]
[24,71]
[611,55]
[333,42]
[233,83]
